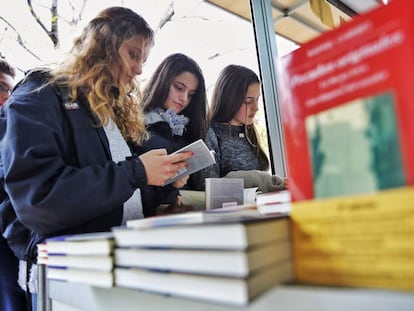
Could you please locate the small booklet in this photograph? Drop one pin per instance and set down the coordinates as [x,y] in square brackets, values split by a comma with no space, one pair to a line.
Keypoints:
[224,192]
[197,199]
[202,158]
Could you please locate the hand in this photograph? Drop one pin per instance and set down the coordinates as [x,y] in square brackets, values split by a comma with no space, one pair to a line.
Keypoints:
[159,166]
[286,183]
[176,207]
[179,183]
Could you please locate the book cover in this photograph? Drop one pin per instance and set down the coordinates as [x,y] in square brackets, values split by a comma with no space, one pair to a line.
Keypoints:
[346,106]
[197,199]
[236,235]
[359,241]
[222,290]
[224,192]
[201,159]
[232,263]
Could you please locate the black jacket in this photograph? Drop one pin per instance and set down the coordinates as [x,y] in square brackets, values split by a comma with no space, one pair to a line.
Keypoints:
[56,172]
[161,137]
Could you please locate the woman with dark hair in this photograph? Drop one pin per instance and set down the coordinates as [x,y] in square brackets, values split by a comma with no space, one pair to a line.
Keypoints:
[232,133]
[65,163]
[175,106]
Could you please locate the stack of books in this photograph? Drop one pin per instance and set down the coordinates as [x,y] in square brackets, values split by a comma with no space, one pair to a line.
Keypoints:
[85,258]
[212,256]
[274,202]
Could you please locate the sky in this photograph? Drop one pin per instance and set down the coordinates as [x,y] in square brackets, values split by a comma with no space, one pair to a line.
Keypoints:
[213,37]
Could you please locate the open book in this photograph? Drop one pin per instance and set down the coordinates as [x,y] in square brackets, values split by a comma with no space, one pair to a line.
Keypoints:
[202,158]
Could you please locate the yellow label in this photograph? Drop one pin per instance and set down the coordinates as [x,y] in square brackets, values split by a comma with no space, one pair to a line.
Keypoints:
[365,240]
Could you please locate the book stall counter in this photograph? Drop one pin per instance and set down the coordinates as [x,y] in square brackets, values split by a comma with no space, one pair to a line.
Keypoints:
[68,296]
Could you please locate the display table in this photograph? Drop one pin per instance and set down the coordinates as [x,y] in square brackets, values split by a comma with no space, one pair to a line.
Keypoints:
[80,297]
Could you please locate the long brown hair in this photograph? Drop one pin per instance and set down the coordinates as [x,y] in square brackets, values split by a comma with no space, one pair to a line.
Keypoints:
[229,95]
[156,92]
[88,69]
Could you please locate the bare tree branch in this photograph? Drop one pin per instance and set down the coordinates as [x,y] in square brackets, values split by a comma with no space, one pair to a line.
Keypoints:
[219,54]
[76,17]
[166,17]
[19,38]
[196,17]
[52,34]
[76,14]
[37,19]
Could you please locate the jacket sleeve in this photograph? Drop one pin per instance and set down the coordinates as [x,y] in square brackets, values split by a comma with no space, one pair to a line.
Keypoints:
[260,179]
[213,171]
[48,193]
[152,197]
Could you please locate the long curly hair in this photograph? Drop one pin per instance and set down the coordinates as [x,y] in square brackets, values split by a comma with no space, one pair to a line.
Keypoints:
[87,70]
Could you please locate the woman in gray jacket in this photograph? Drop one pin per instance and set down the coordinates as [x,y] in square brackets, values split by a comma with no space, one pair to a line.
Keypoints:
[232,132]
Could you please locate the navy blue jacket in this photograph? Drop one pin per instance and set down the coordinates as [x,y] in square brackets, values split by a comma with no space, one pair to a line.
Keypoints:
[56,171]
[160,138]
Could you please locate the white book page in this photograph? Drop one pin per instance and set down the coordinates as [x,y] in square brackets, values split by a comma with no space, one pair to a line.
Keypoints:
[202,158]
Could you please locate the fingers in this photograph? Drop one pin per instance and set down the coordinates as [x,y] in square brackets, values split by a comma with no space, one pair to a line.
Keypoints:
[179,183]
[286,183]
[175,162]
[182,156]
[177,165]
[156,152]
[160,167]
